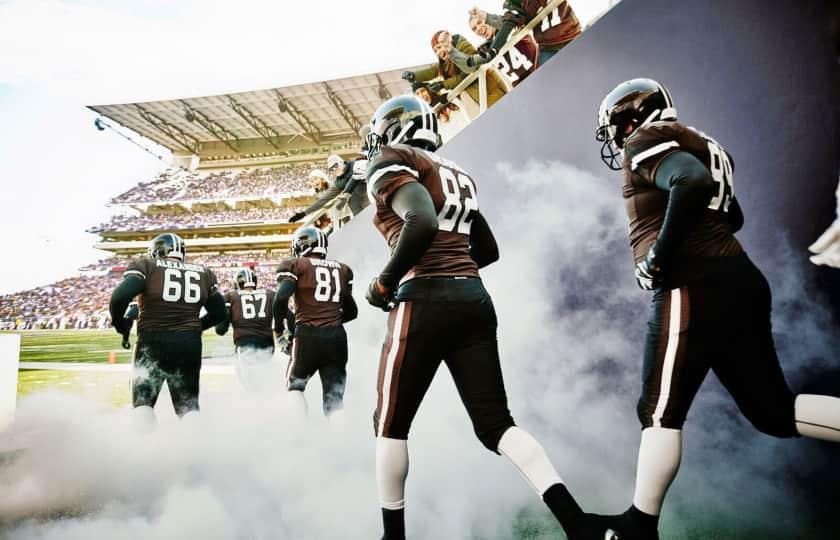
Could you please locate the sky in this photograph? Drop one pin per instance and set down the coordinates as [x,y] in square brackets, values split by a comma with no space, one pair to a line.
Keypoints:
[57,171]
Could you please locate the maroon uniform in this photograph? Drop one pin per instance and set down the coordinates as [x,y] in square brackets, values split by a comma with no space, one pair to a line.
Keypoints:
[251,313]
[173,294]
[320,287]
[646,203]
[453,194]
[520,61]
[557,29]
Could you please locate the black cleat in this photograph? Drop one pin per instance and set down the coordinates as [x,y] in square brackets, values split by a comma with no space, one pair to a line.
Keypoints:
[593,527]
[634,524]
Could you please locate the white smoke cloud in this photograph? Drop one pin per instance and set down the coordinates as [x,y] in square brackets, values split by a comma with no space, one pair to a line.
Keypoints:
[571,333]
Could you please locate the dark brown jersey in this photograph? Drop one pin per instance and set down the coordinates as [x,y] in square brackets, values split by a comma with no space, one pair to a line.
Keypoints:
[251,312]
[320,288]
[644,150]
[519,61]
[557,28]
[453,194]
[173,294]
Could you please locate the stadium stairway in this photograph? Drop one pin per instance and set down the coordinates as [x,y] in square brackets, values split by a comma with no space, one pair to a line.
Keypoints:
[764,83]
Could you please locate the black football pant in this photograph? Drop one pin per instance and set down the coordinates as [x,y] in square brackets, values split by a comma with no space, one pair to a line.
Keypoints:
[450,320]
[720,322]
[174,357]
[322,350]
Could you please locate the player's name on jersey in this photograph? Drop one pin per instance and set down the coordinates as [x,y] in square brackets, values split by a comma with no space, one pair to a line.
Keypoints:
[243,292]
[179,265]
[324,262]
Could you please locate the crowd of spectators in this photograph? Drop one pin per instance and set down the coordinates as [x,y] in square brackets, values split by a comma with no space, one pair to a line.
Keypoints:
[81,302]
[168,222]
[178,185]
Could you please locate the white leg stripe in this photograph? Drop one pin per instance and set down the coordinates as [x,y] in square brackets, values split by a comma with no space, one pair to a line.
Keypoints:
[389,367]
[291,363]
[670,356]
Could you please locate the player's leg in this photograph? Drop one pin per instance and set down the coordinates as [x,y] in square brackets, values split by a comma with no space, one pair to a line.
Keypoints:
[474,364]
[303,363]
[409,360]
[333,373]
[146,383]
[184,371]
[750,370]
[676,361]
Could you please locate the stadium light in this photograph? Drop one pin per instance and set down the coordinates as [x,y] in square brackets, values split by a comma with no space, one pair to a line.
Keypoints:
[100,124]
[383,92]
[281,105]
[189,116]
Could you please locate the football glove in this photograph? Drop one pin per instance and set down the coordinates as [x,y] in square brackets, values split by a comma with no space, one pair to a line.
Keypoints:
[284,342]
[408,76]
[296,217]
[648,272]
[380,296]
[126,344]
[436,86]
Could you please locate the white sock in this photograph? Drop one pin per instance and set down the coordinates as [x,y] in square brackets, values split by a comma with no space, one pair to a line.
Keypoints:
[818,417]
[659,460]
[391,472]
[529,458]
[143,419]
[297,402]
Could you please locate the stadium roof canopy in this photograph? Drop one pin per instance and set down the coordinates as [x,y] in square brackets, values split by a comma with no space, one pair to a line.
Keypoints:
[246,123]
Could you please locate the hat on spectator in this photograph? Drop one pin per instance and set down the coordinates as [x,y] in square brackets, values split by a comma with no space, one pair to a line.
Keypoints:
[318,173]
[333,162]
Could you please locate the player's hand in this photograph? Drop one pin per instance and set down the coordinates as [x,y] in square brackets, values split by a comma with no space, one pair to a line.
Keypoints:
[126,344]
[380,296]
[296,217]
[648,272]
[408,76]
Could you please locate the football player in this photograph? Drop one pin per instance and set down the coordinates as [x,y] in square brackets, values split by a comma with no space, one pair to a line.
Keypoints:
[427,210]
[172,293]
[249,311]
[711,305]
[555,31]
[323,295]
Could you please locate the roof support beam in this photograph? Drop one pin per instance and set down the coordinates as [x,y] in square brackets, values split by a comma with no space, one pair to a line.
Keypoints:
[216,129]
[266,132]
[345,113]
[383,92]
[311,131]
[184,140]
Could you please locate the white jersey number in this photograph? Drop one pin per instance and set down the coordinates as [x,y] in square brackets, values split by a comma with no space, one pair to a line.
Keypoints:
[551,20]
[249,306]
[456,214]
[327,287]
[721,169]
[181,285]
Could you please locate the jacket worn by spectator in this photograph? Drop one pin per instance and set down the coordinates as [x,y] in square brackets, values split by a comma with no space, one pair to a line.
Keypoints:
[456,70]
[352,181]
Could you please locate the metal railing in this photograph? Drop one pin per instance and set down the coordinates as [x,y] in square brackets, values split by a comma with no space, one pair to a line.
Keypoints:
[481,72]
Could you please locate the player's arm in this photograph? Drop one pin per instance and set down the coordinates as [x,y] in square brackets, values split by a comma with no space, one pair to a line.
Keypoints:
[690,188]
[133,283]
[414,205]
[224,324]
[216,310]
[329,194]
[509,21]
[349,309]
[483,248]
[286,286]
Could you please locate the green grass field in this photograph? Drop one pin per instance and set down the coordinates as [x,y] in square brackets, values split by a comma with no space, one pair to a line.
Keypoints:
[96,346]
[93,346]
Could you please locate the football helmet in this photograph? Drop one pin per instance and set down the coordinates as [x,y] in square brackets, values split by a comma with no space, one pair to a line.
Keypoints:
[309,240]
[246,278]
[634,103]
[167,245]
[403,119]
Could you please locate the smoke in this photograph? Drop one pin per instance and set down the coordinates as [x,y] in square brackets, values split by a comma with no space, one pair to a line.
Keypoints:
[571,327]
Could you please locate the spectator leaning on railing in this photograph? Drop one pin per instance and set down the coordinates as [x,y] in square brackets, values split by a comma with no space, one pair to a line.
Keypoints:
[516,63]
[452,51]
[555,31]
